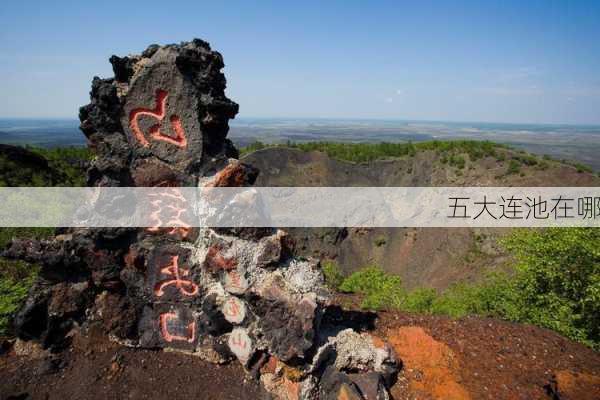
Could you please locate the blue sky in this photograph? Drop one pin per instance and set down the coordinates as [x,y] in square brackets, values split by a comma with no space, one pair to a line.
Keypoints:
[498,61]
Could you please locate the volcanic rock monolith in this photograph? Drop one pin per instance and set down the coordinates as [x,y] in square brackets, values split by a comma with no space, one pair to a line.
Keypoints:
[221,294]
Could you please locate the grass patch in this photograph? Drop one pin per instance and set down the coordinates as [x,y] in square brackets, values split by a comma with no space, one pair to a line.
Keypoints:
[7,234]
[556,285]
[543,165]
[333,274]
[380,241]
[379,290]
[70,161]
[65,168]
[581,168]
[16,278]
[457,160]
[450,151]
[525,159]
[514,167]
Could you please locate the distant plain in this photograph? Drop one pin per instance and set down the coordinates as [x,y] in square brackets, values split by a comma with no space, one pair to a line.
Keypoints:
[580,143]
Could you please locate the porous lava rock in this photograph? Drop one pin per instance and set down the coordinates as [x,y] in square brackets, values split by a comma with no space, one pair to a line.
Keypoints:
[221,294]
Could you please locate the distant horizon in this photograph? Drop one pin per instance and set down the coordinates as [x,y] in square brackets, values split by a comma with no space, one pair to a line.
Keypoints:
[562,141]
[366,119]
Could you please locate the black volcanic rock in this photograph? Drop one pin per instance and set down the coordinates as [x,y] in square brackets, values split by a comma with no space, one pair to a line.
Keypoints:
[166,105]
[216,293]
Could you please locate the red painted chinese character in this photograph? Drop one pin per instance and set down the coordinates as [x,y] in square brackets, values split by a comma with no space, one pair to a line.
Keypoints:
[232,310]
[235,279]
[159,114]
[169,337]
[186,287]
[238,341]
[176,207]
[240,344]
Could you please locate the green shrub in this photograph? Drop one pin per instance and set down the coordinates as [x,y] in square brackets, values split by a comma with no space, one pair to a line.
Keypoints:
[65,168]
[365,152]
[543,165]
[380,241]
[16,278]
[7,234]
[419,300]
[494,297]
[525,159]
[514,167]
[380,290]
[457,161]
[255,146]
[558,280]
[333,274]
[555,284]
[582,168]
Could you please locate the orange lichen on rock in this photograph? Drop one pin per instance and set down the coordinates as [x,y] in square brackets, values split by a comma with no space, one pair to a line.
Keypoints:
[236,174]
[270,366]
[281,380]
[215,261]
[292,389]
[430,366]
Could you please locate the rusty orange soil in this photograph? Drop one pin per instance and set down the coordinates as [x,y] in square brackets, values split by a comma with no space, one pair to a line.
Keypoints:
[423,356]
[478,358]
[470,358]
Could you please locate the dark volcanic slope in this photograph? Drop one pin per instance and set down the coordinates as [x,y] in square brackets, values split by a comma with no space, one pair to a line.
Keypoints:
[291,167]
[430,257]
[95,368]
[469,358]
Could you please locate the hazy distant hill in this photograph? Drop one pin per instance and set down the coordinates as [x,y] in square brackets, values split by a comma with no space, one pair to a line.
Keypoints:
[573,142]
[63,166]
[41,132]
